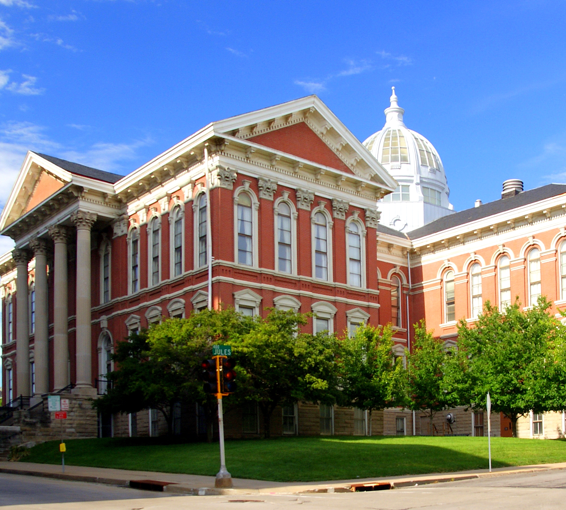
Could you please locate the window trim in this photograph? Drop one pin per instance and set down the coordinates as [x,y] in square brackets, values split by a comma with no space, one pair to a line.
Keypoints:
[324,310]
[176,214]
[329,257]
[176,308]
[106,249]
[286,302]
[104,341]
[133,235]
[133,323]
[255,221]
[32,307]
[293,216]
[196,222]
[153,315]
[399,301]
[9,319]
[474,314]
[362,232]
[247,298]
[331,433]
[499,280]
[562,269]
[200,300]
[155,220]
[356,316]
[446,300]
[533,421]
[530,272]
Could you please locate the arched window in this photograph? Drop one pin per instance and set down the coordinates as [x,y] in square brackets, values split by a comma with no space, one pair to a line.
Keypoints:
[563,270]
[154,251]
[476,290]
[354,255]
[284,238]
[395,301]
[449,297]
[105,273]
[504,283]
[245,229]
[134,261]
[201,231]
[320,246]
[104,361]
[534,276]
[177,241]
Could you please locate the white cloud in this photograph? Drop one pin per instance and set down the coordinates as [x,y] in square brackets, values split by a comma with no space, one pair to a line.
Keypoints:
[552,157]
[211,31]
[4,78]
[355,67]
[58,41]
[237,53]
[400,60]
[73,16]
[16,3]
[311,86]
[6,36]
[25,88]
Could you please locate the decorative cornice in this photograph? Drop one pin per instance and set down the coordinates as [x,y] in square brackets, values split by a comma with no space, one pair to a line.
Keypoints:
[267,188]
[305,199]
[223,177]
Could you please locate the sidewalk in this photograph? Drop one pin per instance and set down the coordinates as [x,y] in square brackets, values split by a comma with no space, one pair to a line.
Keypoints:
[204,485]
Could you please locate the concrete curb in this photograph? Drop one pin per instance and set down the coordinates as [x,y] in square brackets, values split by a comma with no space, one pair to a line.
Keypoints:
[326,487]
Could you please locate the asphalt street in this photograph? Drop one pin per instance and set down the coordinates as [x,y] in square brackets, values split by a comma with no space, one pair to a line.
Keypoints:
[530,491]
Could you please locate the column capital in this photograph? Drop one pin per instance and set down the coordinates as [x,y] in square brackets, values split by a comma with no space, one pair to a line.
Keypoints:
[21,256]
[39,246]
[83,220]
[59,234]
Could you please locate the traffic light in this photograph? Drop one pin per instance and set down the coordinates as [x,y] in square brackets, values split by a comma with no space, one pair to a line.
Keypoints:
[228,375]
[208,376]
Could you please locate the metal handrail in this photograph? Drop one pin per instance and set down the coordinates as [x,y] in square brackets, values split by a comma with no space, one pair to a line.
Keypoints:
[102,386]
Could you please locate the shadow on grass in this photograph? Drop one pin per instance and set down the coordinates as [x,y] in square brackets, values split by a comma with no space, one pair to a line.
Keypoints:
[305,458]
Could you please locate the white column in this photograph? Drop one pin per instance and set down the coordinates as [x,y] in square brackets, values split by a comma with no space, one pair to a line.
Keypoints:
[83,221]
[21,257]
[60,309]
[41,346]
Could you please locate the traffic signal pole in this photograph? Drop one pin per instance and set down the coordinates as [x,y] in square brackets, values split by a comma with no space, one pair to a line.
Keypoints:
[223,477]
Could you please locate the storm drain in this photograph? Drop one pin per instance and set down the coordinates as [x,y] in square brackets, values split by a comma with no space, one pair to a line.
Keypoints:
[366,487]
[149,485]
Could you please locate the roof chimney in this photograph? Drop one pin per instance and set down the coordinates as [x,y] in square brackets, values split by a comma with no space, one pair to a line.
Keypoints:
[512,187]
[478,202]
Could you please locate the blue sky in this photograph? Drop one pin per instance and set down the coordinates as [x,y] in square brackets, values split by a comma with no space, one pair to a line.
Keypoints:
[112,83]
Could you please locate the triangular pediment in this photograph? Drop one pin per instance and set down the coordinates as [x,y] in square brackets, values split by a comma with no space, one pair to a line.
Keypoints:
[44,187]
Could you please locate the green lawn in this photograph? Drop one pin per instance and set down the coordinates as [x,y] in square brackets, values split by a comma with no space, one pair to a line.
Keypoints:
[305,458]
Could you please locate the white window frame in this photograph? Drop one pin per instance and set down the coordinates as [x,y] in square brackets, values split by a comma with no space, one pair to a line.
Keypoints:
[324,310]
[133,323]
[176,214]
[176,308]
[356,317]
[361,233]
[404,419]
[329,227]
[255,231]
[32,307]
[106,249]
[503,303]
[476,290]
[295,416]
[286,303]
[562,269]
[133,235]
[9,384]
[196,221]
[432,196]
[399,288]
[532,264]
[9,319]
[105,363]
[533,421]
[445,297]
[153,315]
[151,224]
[363,419]
[247,298]
[200,300]
[133,424]
[293,217]
[153,423]
[32,373]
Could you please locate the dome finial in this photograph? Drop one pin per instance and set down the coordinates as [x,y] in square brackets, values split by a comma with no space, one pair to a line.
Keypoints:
[393,97]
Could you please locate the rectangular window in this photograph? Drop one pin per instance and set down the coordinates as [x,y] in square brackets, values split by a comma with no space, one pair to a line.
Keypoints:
[133,424]
[250,418]
[401,194]
[106,277]
[321,252]
[355,259]
[321,325]
[135,265]
[476,288]
[10,322]
[400,426]
[359,422]
[563,270]
[202,242]
[478,424]
[10,380]
[450,298]
[245,240]
[289,420]
[248,311]
[432,196]
[177,419]
[284,242]
[153,423]
[155,257]
[32,377]
[537,424]
[352,327]
[504,283]
[326,419]
[178,240]
[32,312]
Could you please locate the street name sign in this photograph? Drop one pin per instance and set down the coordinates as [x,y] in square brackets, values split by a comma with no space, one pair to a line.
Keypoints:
[222,350]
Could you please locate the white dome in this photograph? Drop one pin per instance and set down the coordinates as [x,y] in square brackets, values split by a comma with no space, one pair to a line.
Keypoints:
[416,165]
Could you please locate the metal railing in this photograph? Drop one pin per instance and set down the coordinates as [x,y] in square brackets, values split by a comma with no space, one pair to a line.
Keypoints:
[7,411]
[102,386]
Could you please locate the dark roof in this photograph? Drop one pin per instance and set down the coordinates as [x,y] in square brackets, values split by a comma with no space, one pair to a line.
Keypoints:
[489,209]
[85,171]
[390,231]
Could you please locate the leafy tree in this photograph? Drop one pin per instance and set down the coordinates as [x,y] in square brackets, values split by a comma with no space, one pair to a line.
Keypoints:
[427,391]
[279,366]
[370,376]
[140,381]
[516,356]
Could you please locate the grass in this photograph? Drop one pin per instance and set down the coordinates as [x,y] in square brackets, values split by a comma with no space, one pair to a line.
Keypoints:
[305,458]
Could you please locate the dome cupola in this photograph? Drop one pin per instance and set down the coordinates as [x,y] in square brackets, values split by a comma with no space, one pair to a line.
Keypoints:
[423,193]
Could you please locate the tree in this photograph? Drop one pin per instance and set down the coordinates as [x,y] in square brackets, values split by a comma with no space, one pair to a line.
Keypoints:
[279,366]
[370,376]
[516,356]
[141,381]
[427,389]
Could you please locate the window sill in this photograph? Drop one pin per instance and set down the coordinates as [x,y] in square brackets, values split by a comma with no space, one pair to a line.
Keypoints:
[399,329]
[472,319]
[449,324]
